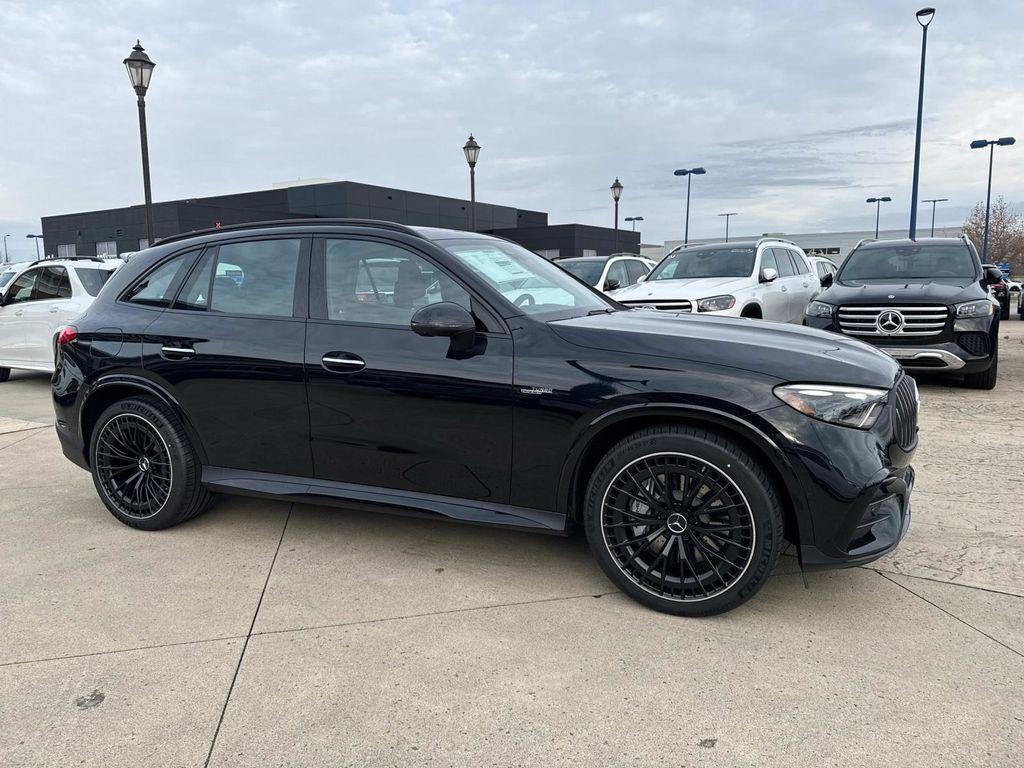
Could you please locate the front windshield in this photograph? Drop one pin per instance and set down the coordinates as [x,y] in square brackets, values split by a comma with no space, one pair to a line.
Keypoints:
[529,282]
[705,262]
[587,271]
[910,262]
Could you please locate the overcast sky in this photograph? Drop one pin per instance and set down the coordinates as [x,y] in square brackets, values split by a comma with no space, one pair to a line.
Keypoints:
[798,110]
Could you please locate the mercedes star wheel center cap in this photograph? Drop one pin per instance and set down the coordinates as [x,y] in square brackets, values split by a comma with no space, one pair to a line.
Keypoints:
[144,464]
[676,523]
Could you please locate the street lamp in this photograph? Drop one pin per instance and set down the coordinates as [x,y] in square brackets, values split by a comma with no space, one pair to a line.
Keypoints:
[727,217]
[688,172]
[933,201]
[5,249]
[616,194]
[878,205]
[37,238]
[924,18]
[1006,141]
[472,152]
[140,70]
[633,220]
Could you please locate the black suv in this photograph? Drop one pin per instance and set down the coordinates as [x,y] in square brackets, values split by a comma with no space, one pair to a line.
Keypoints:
[460,376]
[926,302]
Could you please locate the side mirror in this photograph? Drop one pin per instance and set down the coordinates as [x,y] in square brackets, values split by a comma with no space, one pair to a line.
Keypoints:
[827,280]
[445,318]
[993,275]
[642,279]
[612,284]
[769,275]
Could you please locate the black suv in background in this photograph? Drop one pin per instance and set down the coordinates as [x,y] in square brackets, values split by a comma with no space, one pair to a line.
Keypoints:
[926,302]
[460,376]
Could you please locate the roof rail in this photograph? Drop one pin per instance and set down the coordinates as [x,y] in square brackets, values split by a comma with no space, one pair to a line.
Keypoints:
[770,239]
[862,241]
[47,260]
[297,222]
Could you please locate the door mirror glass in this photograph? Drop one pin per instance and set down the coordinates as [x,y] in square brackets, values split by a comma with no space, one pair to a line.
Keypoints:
[993,275]
[826,280]
[445,318]
[641,279]
[611,284]
[769,275]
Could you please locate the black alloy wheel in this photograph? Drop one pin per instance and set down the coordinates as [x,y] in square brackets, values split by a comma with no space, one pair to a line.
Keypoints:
[133,463]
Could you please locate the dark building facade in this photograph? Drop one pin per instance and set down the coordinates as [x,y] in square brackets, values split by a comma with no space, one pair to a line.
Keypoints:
[120,230]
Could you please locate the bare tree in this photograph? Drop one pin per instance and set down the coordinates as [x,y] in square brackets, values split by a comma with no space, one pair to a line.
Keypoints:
[1005,234]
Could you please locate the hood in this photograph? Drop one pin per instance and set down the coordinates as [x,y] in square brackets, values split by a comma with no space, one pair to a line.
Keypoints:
[683,288]
[784,351]
[950,290]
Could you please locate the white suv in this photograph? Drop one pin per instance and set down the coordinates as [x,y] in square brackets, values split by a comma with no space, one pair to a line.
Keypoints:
[768,278]
[38,301]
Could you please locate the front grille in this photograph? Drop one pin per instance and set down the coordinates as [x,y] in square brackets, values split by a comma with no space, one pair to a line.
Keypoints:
[904,396]
[920,320]
[975,343]
[668,306]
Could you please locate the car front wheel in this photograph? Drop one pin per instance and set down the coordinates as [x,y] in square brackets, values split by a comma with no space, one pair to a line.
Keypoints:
[5,374]
[684,520]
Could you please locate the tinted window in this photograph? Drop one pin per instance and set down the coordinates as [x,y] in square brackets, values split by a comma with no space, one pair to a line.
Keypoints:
[155,289]
[802,265]
[705,262]
[93,279]
[21,290]
[378,283]
[6,277]
[768,260]
[617,272]
[251,278]
[909,262]
[786,268]
[635,269]
[52,283]
[587,271]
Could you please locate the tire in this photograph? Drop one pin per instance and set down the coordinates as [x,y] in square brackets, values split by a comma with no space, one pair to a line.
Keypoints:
[712,572]
[5,374]
[144,466]
[985,379]
[1004,308]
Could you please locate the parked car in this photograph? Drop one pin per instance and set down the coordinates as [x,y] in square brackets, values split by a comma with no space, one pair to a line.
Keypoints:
[1000,290]
[768,278]
[824,268]
[688,448]
[925,302]
[608,273]
[39,299]
[6,275]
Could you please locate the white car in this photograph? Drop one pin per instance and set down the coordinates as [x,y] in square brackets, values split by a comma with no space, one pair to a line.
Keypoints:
[768,278]
[825,269]
[37,301]
[608,273]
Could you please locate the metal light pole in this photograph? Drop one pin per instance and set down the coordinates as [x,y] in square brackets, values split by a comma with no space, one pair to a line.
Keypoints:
[933,201]
[688,172]
[472,152]
[878,205]
[140,70]
[633,220]
[1006,141]
[924,18]
[6,260]
[37,238]
[616,194]
[727,217]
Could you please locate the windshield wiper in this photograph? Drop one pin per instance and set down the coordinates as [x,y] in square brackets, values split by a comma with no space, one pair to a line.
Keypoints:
[606,311]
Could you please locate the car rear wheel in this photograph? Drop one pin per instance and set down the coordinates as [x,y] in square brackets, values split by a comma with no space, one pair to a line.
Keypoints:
[684,520]
[5,374]
[144,466]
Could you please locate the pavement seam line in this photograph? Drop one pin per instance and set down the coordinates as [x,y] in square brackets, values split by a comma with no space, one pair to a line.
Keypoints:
[947,583]
[119,650]
[245,645]
[951,615]
[26,429]
[21,440]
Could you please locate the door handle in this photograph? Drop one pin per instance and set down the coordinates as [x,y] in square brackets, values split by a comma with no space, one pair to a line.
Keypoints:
[784,289]
[342,362]
[177,353]
[19,313]
[53,310]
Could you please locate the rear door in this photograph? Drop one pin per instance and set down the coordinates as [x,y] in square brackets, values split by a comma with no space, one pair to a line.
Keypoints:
[46,313]
[805,285]
[230,349]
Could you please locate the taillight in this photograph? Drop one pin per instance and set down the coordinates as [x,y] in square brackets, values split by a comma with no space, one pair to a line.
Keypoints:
[70,333]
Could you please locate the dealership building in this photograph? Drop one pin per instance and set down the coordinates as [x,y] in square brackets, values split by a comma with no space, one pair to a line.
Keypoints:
[119,230]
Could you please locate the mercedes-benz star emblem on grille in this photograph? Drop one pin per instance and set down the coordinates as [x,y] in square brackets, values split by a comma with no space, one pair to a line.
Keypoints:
[890,322]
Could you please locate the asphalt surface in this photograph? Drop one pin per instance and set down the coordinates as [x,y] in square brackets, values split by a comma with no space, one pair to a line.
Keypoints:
[268,634]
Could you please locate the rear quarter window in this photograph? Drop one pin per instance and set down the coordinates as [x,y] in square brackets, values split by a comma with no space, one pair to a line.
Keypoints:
[93,279]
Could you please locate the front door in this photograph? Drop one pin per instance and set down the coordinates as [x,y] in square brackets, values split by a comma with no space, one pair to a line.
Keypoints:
[774,298]
[392,409]
[46,313]
[230,349]
[12,317]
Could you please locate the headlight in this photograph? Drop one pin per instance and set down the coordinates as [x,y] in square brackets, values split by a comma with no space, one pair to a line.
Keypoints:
[819,309]
[974,315]
[716,303]
[849,406]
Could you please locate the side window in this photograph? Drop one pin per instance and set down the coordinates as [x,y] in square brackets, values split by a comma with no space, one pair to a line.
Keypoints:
[256,277]
[379,283]
[196,292]
[635,269]
[800,263]
[785,263]
[617,271]
[21,289]
[156,288]
[52,283]
[768,260]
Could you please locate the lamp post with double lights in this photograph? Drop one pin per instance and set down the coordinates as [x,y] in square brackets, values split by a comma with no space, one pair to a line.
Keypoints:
[924,18]
[6,261]
[140,70]
[633,220]
[688,173]
[727,217]
[616,194]
[472,151]
[878,205]
[1006,141]
[933,201]
[37,238]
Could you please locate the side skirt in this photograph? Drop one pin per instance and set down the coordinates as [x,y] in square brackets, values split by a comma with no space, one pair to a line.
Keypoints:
[304,490]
